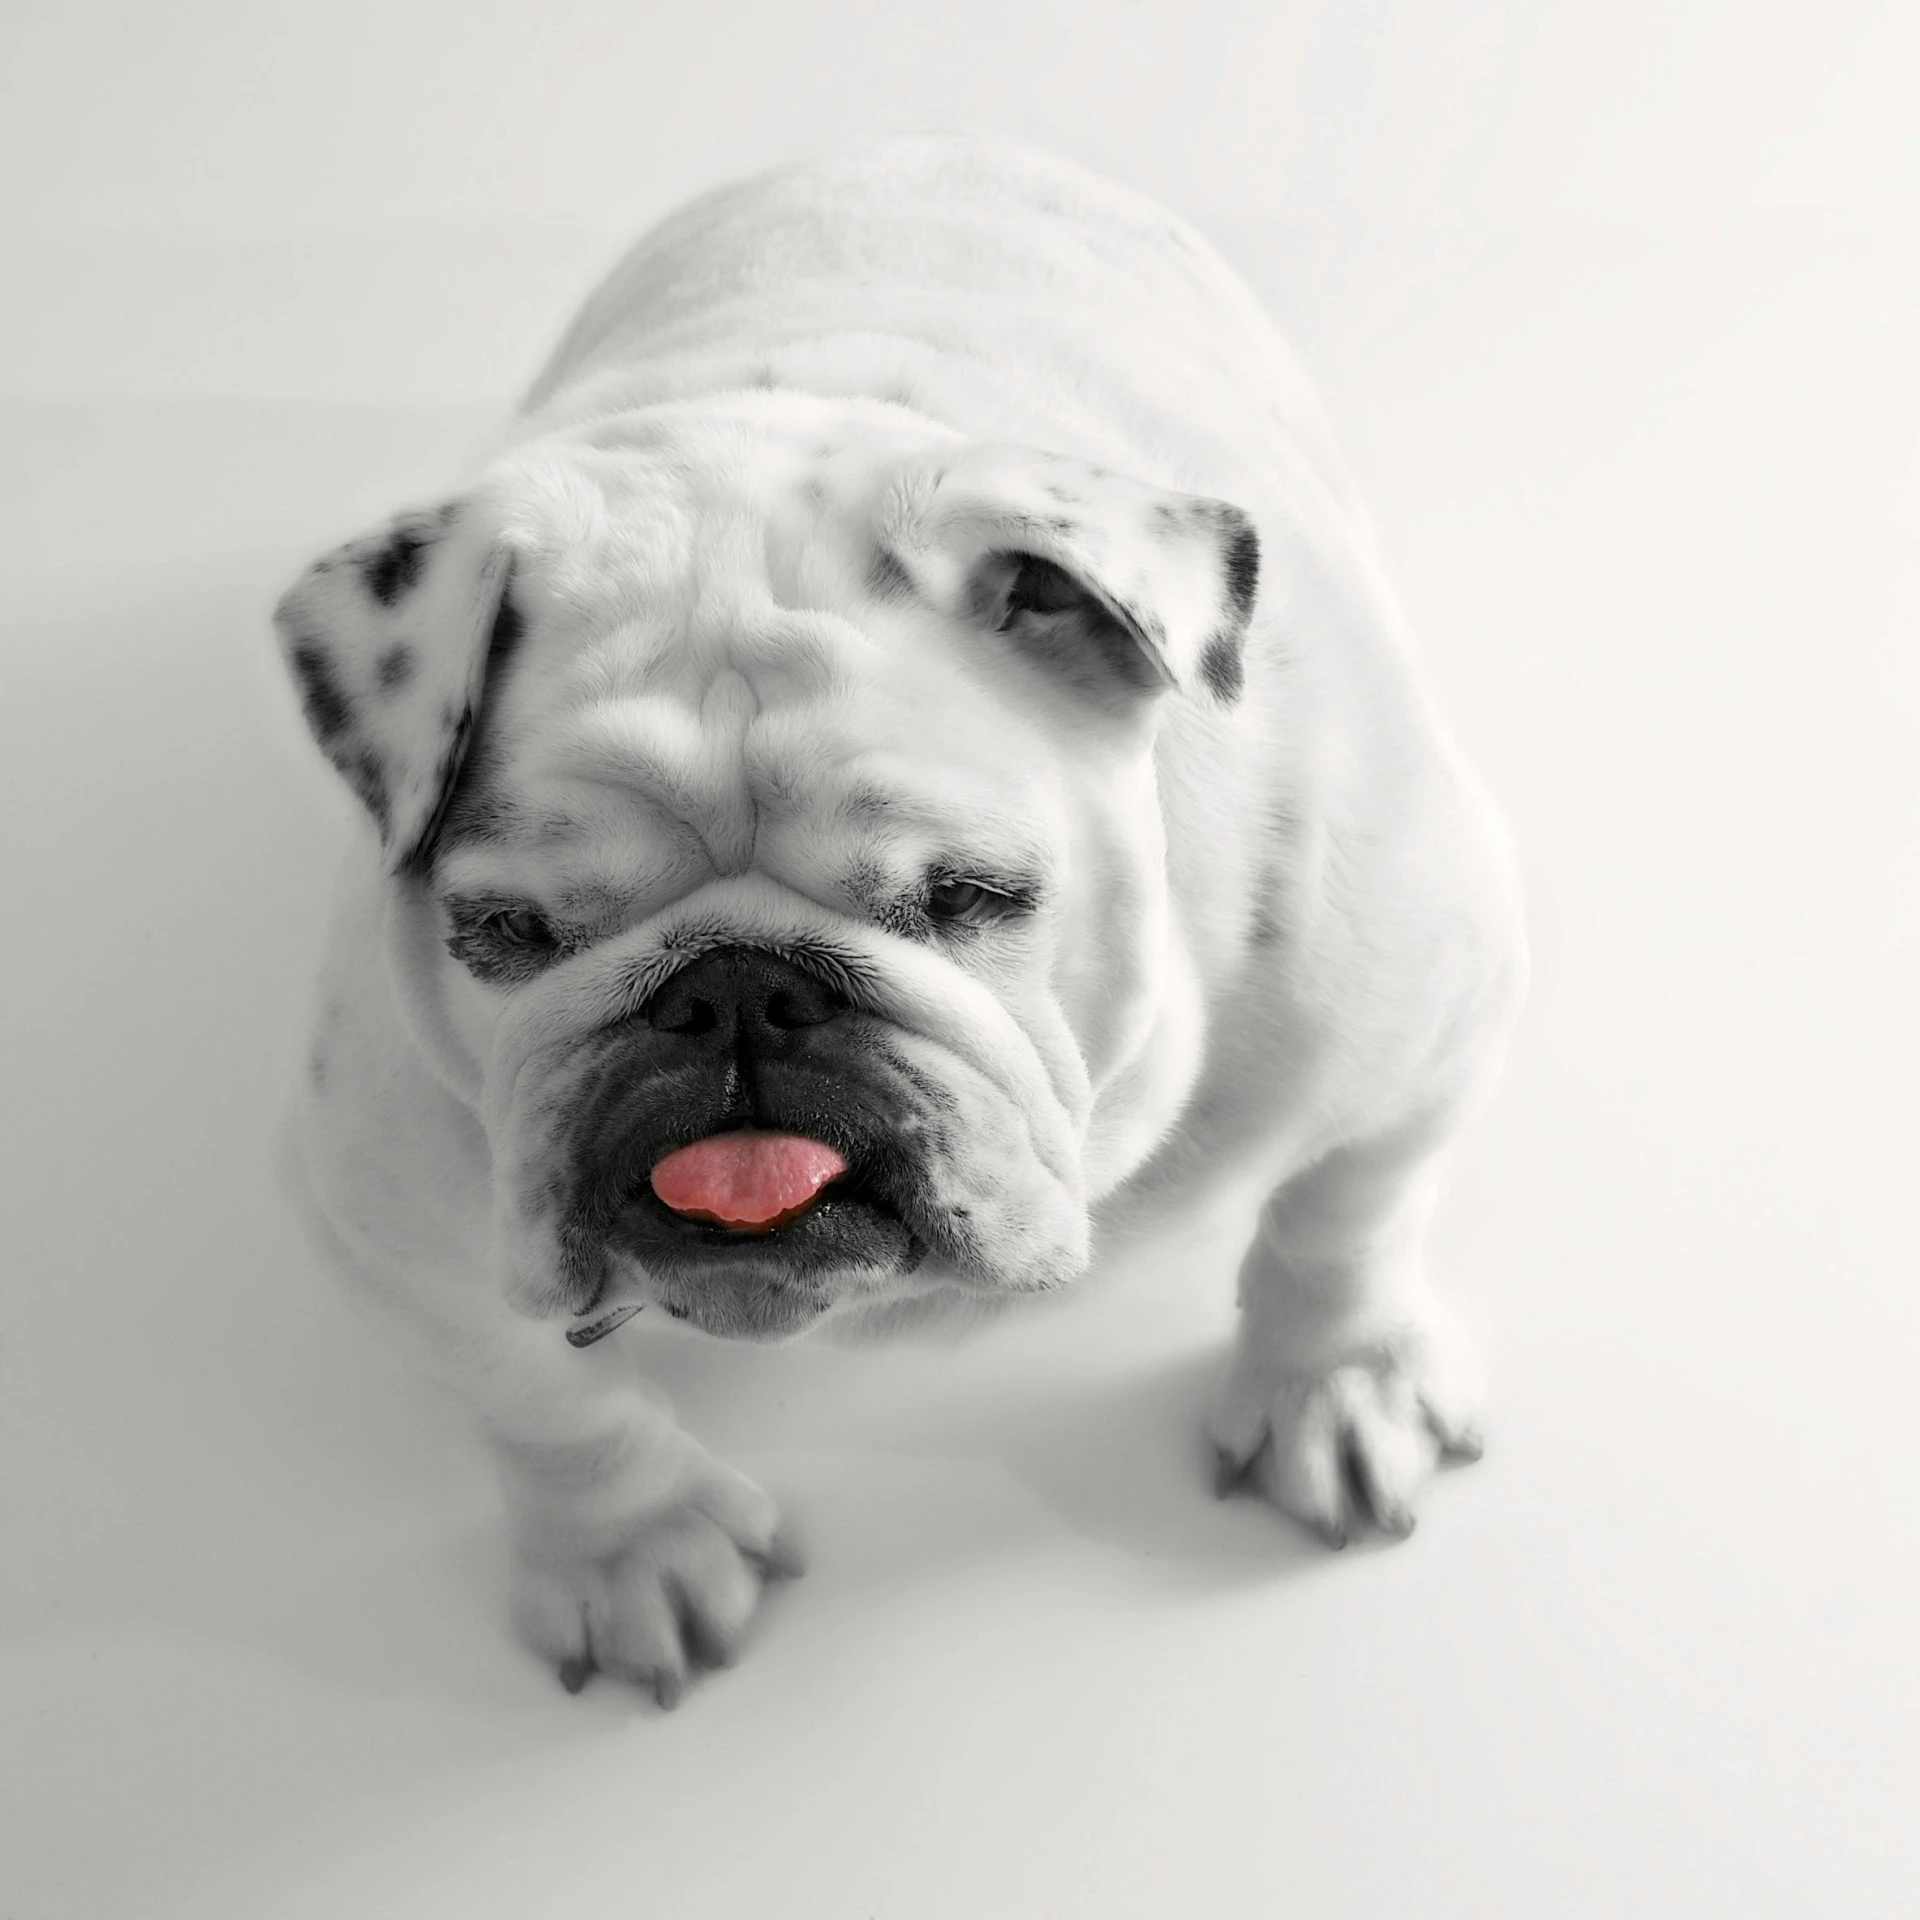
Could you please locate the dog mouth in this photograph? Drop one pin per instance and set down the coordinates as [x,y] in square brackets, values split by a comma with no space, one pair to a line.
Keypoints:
[754,1235]
[749,1180]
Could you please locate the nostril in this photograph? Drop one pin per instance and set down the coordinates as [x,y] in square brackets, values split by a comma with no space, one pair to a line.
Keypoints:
[810,1006]
[687,1016]
[729,992]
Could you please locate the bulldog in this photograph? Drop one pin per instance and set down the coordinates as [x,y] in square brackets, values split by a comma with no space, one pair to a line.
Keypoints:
[902,748]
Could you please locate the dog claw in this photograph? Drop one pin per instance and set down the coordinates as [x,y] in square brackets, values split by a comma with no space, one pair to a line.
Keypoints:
[1229,1474]
[783,1560]
[667,1689]
[575,1671]
[708,1649]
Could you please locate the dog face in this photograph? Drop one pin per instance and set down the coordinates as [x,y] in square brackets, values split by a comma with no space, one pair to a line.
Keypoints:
[781,765]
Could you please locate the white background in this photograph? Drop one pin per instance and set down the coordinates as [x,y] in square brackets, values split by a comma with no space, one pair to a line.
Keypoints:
[1617,305]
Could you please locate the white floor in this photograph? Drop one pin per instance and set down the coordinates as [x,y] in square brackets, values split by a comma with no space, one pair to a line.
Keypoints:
[1653,484]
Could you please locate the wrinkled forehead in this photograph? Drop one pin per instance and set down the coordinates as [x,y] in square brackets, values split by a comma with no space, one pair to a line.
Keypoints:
[691,524]
[701,649]
[863,788]
[851,746]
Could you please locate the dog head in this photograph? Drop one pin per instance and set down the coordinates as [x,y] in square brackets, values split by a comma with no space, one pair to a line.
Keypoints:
[781,770]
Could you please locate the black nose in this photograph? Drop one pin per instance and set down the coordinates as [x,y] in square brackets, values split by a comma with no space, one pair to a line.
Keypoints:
[737,994]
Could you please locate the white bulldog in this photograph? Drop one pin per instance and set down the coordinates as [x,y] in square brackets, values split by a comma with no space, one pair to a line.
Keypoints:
[906,740]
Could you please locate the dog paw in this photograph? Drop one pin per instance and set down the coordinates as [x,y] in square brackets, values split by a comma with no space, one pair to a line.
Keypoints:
[1349,1442]
[673,1598]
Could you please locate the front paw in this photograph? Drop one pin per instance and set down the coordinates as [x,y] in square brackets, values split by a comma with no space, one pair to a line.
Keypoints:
[1349,1437]
[672,1594]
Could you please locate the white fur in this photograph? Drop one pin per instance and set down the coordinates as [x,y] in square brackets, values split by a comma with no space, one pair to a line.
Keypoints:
[1281,934]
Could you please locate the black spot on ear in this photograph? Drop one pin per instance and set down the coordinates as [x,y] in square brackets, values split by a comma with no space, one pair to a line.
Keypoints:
[1222,668]
[887,579]
[1241,564]
[329,712]
[395,667]
[393,570]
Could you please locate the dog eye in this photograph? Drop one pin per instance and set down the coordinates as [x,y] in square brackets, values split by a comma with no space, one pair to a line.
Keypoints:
[520,927]
[966,903]
[501,944]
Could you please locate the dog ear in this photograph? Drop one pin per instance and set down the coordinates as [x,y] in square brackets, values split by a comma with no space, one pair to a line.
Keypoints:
[1116,582]
[390,639]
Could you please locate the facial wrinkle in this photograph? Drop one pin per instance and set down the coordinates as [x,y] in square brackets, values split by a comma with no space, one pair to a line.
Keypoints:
[731,823]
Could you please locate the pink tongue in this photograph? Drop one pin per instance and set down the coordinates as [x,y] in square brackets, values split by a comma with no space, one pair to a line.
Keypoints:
[752,1180]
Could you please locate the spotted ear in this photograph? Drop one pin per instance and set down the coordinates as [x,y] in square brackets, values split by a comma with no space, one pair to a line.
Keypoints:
[390,639]
[1117,583]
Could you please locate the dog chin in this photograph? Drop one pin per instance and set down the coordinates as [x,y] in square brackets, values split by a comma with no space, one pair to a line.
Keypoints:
[764,1306]
[767,1313]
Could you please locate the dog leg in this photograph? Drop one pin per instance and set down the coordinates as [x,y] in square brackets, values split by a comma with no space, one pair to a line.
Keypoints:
[1349,1381]
[633,1551]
